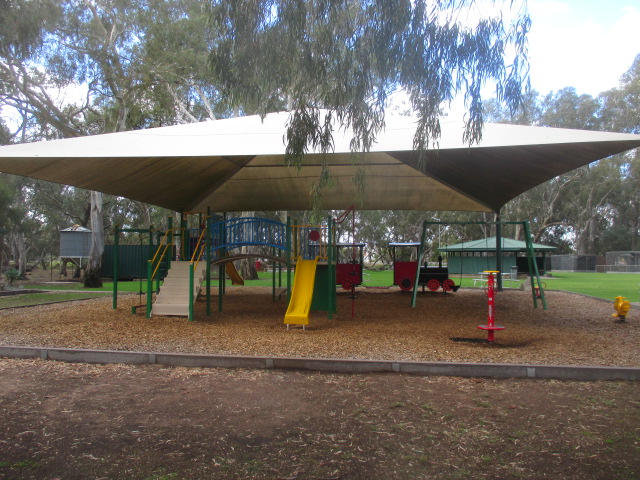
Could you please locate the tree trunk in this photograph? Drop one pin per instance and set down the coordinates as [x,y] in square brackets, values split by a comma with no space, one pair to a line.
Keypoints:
[21,248]
[92,278]
[63,267]
[247,266]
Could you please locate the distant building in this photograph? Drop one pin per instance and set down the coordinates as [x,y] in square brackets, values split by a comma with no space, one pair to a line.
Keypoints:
[480,255]
[622,262]
[576,263]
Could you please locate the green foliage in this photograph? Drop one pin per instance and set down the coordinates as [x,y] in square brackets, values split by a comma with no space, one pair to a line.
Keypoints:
[348,57]
[161,62]
[596,206]
[11,275]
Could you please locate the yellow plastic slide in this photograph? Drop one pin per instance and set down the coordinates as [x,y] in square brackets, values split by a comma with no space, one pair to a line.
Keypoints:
[235,277]
[302,293]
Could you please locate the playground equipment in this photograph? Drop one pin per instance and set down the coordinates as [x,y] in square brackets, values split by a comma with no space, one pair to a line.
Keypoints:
[405,270]
[491,327]
[236,278]
[349,271]
[302,293]
[197,249]
[534,273]
[538,289]
[622,307]
[315,273]
[216,241]
[349,264]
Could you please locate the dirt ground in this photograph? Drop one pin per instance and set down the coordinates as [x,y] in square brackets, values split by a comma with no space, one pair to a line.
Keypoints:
[73,421]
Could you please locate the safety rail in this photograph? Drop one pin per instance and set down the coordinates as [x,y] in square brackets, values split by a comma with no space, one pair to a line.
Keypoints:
[162,246]
[161,253]
[200,245]
[310,241]
[243,231]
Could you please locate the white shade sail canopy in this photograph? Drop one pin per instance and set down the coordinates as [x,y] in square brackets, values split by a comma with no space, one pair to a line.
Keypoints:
[238,164]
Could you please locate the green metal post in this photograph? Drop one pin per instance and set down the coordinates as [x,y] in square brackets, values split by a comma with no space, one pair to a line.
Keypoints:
[295,238]
[150,254]
[221,281]
[191,291]
[499,251]
[208,257]
[170,241]
[273,276]
[419,259]
[149,287]
[115,267]
[183,235]
[330,278]
[533,268]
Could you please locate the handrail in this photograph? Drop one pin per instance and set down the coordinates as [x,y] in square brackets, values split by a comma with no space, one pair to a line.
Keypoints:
[151,271]
[200,245]
[202,250]
[162,243]
[198,250]
[163,246]
[195,250]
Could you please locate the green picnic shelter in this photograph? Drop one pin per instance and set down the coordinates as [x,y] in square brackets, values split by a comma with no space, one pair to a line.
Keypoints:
[480,255]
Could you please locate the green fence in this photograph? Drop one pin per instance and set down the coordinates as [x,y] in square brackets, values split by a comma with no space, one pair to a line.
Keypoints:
[132,261]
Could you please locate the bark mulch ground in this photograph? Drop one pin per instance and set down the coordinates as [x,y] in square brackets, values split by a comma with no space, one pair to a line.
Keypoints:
[575,330]
[75,421]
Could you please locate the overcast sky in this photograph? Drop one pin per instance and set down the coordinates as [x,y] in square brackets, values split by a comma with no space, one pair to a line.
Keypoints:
[586,44]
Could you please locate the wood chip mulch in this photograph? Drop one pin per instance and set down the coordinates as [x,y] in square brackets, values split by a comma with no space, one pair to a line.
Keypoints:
[575,330]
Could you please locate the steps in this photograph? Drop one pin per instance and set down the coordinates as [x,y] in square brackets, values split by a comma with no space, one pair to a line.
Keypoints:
[173,298]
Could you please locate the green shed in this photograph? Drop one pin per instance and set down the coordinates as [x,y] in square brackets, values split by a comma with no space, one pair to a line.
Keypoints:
[480,255]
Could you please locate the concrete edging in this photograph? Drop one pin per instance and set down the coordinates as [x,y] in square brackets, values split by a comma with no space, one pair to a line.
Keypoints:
[336,365]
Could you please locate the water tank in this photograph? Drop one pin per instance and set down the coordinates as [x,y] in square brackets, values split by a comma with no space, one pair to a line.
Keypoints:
[75,242]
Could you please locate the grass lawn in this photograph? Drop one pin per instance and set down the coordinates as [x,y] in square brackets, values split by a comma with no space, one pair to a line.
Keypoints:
[601,285]
[129,286]
[11,301]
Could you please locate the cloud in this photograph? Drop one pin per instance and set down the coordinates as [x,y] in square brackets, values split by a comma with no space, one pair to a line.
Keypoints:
[573,47]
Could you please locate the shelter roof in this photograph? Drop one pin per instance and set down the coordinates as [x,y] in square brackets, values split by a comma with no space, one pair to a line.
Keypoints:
[489,245]
[75,228]
[238,164]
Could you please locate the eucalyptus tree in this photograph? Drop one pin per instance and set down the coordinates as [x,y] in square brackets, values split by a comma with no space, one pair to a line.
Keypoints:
[144,63]
[571,204]
[340,60]
[621,112]
[98,48]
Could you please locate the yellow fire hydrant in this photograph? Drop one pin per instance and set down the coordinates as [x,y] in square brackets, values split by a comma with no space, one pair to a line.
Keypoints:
[622,307]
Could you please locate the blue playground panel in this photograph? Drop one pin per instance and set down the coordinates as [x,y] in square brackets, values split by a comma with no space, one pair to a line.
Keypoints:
[238,232]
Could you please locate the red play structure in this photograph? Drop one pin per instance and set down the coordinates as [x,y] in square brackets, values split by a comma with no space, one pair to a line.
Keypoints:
[404,270]
[350,259]
[491,327]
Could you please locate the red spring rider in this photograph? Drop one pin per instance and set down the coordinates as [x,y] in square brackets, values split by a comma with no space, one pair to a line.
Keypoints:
[491,327]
